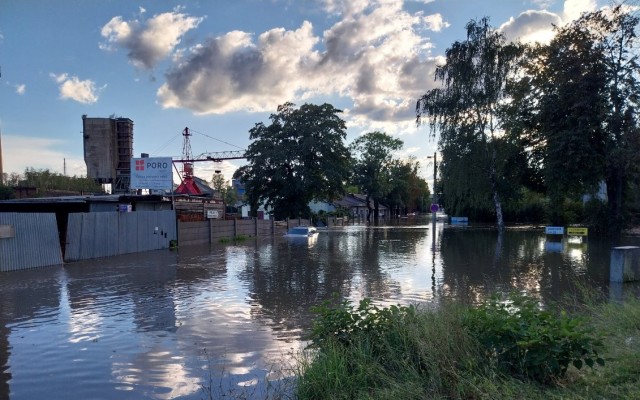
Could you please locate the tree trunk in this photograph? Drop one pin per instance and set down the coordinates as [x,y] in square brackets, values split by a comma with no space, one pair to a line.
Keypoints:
[368,199]
[376,211]
[494,188]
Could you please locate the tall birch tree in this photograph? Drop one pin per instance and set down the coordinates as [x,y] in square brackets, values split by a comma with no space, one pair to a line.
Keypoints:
[465,113]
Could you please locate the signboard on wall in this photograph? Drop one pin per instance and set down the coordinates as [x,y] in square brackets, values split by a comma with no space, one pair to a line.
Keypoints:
[152,173]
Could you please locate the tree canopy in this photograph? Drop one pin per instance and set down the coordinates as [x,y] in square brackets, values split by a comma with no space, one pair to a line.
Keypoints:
[465,114]
[299,157]
[45,181]
[547,121]
[577,109]
[372,166]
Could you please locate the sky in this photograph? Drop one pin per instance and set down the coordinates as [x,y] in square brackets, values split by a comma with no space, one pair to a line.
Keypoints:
[219,67]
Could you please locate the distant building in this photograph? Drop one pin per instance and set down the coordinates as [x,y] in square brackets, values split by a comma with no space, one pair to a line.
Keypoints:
[108,148]
[354,204]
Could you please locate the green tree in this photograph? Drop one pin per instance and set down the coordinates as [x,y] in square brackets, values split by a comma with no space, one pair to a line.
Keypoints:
[575,110]
[219,184]
[372,166]
[45,180]
[6,192]
[466,114]
[298,158]
[227,192]
[407,189]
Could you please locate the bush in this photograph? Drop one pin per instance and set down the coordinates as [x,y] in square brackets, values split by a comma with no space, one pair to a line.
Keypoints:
[344,323]
[395,352]
[528,342]
[529,208]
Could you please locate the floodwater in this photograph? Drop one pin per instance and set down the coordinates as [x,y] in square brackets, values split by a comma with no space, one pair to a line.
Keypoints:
[229,319]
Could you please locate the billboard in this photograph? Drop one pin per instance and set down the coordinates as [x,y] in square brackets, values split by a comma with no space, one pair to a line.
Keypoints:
[152,173]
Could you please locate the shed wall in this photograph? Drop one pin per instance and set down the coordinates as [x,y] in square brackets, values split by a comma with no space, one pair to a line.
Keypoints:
[104,234]
[32,241]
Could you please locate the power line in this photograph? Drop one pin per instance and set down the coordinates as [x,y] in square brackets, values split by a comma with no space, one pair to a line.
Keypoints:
[211,137]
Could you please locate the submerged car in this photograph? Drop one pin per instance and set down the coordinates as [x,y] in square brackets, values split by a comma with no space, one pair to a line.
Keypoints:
[302,231]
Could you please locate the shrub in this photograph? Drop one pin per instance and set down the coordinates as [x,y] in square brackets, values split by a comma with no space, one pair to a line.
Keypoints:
[526,341]
[343,322]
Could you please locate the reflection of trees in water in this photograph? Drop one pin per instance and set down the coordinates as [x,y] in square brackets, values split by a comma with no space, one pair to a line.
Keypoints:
[288,277]
[472,268]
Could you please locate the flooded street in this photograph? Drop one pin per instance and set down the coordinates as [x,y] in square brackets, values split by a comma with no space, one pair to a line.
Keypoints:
[203,321]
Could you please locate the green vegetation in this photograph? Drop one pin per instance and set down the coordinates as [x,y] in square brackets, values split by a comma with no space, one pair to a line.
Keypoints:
[47,182]
[299,157]
[558,119]
[239,238]
[6,192]
[523,340]
[465,114]
[503,349]
[372,161]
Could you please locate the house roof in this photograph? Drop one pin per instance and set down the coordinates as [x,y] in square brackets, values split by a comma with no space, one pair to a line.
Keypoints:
[355,200]
[195,186]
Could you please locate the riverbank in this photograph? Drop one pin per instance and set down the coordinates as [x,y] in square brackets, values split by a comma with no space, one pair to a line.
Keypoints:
[433,355]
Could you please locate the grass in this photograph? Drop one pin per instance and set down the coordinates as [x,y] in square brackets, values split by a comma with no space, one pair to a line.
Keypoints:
[239,238]
[433,356]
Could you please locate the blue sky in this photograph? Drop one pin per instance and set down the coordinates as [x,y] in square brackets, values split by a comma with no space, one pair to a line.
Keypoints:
[219,67]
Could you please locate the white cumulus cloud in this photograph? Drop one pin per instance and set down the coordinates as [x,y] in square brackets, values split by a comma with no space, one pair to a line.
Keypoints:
[82,91]
[374,54]
[531,26]
[574,8]
[148,42]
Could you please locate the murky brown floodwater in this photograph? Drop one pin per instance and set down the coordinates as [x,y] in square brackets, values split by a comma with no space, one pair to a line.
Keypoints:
[164,325]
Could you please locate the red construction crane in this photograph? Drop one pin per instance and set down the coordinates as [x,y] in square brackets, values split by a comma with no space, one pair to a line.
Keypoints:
[188,185]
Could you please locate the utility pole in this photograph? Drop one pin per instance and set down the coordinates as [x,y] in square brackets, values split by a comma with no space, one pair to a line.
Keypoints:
[434,206]
[435,178]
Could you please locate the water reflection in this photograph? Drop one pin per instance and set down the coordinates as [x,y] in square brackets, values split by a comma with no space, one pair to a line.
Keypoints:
[166,324]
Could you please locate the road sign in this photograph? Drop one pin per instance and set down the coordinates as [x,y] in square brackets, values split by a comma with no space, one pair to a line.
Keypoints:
[434,208]
[554,230]
[577,231]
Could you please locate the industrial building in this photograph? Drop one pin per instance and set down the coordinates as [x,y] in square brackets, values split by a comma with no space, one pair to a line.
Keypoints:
[108,148]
